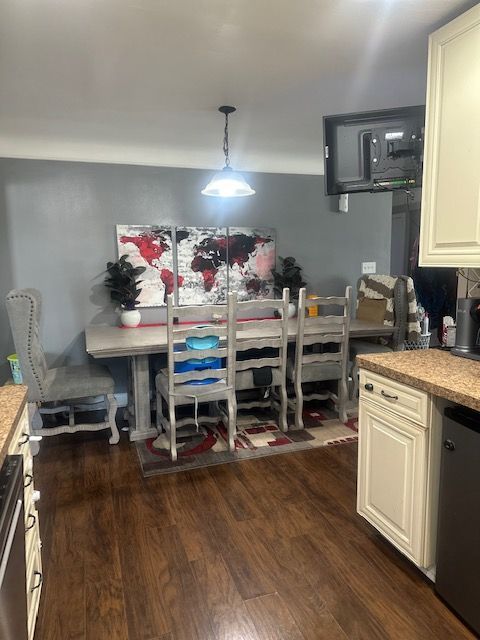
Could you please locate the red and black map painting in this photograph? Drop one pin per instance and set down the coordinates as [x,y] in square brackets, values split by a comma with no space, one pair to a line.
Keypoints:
[150,247]
[210,261]
[202,265]
[251,258]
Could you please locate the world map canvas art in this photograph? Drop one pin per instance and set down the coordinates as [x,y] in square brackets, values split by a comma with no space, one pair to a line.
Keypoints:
[201,265]
[150,247]
[208,262]
[251,258]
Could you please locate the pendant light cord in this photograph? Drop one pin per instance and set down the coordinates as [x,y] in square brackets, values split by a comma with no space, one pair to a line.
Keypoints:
[226,149]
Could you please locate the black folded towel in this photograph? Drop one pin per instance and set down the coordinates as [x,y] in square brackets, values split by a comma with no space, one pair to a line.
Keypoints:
[262,377]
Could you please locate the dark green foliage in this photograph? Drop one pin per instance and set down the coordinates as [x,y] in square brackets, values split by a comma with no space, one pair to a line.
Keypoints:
[290,276]
[122,282]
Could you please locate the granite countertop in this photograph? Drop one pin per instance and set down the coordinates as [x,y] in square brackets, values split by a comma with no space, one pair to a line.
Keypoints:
[12,401]
[433,370]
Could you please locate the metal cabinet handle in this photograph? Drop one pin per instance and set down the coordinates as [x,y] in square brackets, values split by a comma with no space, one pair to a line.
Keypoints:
[40,576]
[24,440]
[30,526]
[387,395]
[29,481]
[369,386]
[449,445]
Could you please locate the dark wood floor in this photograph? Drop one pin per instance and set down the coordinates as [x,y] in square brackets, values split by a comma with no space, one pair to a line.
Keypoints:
[268,549]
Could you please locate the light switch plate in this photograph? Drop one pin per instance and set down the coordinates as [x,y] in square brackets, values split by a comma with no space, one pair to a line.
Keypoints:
[369,267]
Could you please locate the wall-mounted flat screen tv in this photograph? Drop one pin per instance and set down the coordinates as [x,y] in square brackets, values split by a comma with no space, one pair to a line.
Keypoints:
[374,150]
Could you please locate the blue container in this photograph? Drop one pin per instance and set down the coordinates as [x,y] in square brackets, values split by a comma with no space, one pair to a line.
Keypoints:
[200,364]
[207,342]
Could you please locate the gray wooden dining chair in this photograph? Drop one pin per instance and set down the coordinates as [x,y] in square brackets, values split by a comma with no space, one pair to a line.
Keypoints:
[186,388]
[319,363]
[261,359]
[60,389]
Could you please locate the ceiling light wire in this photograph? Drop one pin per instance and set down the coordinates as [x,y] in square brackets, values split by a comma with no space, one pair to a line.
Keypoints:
[226,149]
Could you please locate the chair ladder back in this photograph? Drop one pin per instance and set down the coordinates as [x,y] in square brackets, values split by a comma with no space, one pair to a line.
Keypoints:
[178,335]
[24,312]
[330,329]
[269,333]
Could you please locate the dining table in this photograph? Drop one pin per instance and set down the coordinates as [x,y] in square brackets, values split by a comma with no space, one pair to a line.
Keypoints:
[139,343]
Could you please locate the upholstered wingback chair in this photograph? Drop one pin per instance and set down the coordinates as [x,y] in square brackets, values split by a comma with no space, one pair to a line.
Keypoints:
[61,388]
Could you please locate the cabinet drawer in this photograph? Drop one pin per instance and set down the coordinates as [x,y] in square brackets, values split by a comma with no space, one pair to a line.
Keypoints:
[34,572]
[27,472]
[397,397]
[32,535]
[32,612]
[29,504]
[19,443]
[34,587]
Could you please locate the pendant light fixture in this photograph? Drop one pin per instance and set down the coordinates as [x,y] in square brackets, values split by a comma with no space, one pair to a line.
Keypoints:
[227,183]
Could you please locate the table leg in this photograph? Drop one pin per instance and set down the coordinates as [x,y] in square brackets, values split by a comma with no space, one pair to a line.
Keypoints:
[140,419]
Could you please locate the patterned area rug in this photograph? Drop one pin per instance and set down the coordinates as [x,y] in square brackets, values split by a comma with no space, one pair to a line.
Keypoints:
[258,436]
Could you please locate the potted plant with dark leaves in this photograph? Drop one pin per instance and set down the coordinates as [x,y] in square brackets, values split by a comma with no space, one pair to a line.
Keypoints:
[289,275]
[122,280]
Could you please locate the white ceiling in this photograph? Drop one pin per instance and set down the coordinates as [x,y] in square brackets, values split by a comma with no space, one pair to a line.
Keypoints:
[139,81]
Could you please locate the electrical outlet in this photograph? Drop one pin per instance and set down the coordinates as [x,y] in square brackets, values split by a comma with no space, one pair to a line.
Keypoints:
[343,203]
[369,267]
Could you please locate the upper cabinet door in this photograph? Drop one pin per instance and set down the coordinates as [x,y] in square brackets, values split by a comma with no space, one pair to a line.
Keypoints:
[450,221]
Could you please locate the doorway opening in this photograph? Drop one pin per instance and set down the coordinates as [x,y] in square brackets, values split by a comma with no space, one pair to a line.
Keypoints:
[435,287]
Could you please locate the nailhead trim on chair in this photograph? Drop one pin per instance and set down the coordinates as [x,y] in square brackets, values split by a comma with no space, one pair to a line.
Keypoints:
[29,340]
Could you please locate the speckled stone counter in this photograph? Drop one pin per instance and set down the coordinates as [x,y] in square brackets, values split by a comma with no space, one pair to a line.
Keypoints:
[433,370]
[12,401]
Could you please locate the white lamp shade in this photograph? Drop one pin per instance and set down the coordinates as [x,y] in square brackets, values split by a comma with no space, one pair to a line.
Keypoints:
[228,184]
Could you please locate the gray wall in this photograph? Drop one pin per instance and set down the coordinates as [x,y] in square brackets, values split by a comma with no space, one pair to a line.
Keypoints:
[60,218]
[6,283]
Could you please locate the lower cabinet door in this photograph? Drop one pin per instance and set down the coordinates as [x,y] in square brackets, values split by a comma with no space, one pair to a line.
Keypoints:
[392,478]
[34,591]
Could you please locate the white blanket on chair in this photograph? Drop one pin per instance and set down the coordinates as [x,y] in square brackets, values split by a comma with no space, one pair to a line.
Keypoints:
[382,287]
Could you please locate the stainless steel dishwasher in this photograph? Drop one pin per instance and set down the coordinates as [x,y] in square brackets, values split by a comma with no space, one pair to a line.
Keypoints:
[13,591]
[458,543]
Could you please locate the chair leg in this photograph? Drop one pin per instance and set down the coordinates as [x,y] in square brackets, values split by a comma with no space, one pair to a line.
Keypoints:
[355,381]
[299,406]
[36,423]
[35,416]
[342,400]
[283,420]
[232,421]
[111,418]
[159,412]
[173,429]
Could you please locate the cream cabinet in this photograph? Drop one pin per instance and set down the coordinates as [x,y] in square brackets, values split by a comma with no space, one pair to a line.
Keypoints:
[20,444]
[398,460]
[450,218]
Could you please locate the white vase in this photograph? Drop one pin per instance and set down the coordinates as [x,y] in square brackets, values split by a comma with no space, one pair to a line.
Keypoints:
[130,318]
[292,310]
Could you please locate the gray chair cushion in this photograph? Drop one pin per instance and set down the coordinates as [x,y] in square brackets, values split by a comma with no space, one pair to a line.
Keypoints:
[244,379]
[81,381]
[316,372]
[358,347]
